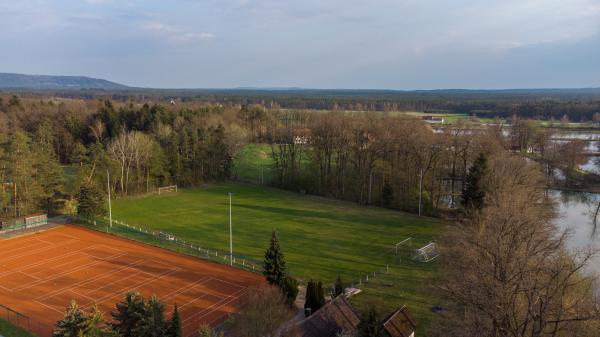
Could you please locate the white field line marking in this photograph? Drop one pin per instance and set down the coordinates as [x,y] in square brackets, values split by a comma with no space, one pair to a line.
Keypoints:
[219,304]
[119,293]
[17,243]
[14,257]
[50,306]
[42,262]
[56,235]
[82,256]
[186,287]
[90,280]
[66,272]
[28,275]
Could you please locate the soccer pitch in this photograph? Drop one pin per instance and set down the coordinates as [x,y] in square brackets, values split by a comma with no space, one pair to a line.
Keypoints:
[320,237]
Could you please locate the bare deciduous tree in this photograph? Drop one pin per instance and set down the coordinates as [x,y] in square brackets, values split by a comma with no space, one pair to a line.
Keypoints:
[509,273]
[264,309]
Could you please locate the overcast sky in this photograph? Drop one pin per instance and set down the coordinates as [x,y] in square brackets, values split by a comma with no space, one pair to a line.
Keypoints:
[383,44]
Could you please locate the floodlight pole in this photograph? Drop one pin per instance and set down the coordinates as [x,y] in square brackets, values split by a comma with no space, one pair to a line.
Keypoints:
[230,234]
[420,189]
[109,205]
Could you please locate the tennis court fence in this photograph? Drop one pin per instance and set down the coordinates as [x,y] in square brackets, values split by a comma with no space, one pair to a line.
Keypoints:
[24,322]
[170,241]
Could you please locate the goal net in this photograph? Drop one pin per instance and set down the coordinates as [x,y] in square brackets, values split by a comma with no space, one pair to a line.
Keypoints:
[165,189]
[403,249]
[427,253]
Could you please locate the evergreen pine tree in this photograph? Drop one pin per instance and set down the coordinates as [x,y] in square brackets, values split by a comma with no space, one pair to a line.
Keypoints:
[95,326]
[206,331]
[310,298]
[370,325]
[290,290]
[315,296]
[473,194]
[274,268]
[338,287]
[320,296]
[387,195]
[91,202]
[174,328]
[73,323]
[153,323]
[129,314]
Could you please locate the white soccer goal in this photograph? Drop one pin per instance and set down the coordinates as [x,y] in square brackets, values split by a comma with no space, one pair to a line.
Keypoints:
[402,246]
[172,188]
[427,253]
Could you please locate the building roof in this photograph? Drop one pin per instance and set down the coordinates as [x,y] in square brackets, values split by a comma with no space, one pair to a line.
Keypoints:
[400,324]
[336,316]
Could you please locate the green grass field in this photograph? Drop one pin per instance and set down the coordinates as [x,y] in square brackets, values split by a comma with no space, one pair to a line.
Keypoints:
[321,238]
[9,330]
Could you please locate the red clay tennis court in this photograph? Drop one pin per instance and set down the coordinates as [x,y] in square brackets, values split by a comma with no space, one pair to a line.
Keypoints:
[41,273]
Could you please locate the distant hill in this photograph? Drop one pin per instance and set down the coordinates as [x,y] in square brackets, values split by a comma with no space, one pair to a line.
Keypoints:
[21,81]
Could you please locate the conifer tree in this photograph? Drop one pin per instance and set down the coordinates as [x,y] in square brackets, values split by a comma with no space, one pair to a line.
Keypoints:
[73,323]
[129,314]
[320,295]
[174,328]
[153,322]
[310,298]
[206,331]
[473,194]
[338,287]
[274,268]
[290,290]
[95,326]
[370,324]
[315,297]
[91,202]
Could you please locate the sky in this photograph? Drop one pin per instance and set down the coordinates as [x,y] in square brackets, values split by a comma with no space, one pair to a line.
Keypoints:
[360,44]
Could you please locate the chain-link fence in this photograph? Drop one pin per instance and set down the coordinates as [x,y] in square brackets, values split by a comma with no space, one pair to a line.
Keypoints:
[25,322]
[171,242]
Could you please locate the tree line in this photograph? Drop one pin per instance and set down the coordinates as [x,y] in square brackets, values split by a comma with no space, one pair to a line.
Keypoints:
[141,147]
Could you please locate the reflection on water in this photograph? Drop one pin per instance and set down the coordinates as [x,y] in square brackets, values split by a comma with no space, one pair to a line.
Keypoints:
[575,213]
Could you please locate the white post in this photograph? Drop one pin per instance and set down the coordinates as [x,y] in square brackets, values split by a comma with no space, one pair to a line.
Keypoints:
[420,190]
[230,234]
[109,204]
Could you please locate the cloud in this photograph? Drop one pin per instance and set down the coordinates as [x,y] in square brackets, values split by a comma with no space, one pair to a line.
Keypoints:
[163,30]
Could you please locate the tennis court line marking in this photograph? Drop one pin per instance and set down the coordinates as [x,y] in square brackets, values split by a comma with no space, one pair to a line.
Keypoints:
[18,243]
[38,263]
[81,256]
[222,302]
[66,272]
[176,292]
[90,280]
[50,307]
[119,293]
[14,257]
[57,235]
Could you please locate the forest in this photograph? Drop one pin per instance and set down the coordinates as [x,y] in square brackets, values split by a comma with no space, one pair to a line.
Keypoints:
[382,159]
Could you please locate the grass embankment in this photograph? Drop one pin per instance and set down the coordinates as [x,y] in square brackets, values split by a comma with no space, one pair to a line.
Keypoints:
[9,330]
[321,238]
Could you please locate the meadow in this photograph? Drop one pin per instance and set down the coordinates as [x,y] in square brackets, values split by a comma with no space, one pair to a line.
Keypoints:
[321,238]
[9,330]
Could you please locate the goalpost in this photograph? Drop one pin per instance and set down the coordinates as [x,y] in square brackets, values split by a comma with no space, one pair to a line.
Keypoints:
[427,253]
[403,250]
[164,189]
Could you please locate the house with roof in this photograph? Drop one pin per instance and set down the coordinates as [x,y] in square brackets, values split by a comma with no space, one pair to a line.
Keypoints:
[338,316]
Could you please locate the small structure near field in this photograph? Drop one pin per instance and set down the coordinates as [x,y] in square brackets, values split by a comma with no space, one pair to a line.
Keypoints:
[166,236]
[400,324]
[433,119]
[338,316]
[335,317]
